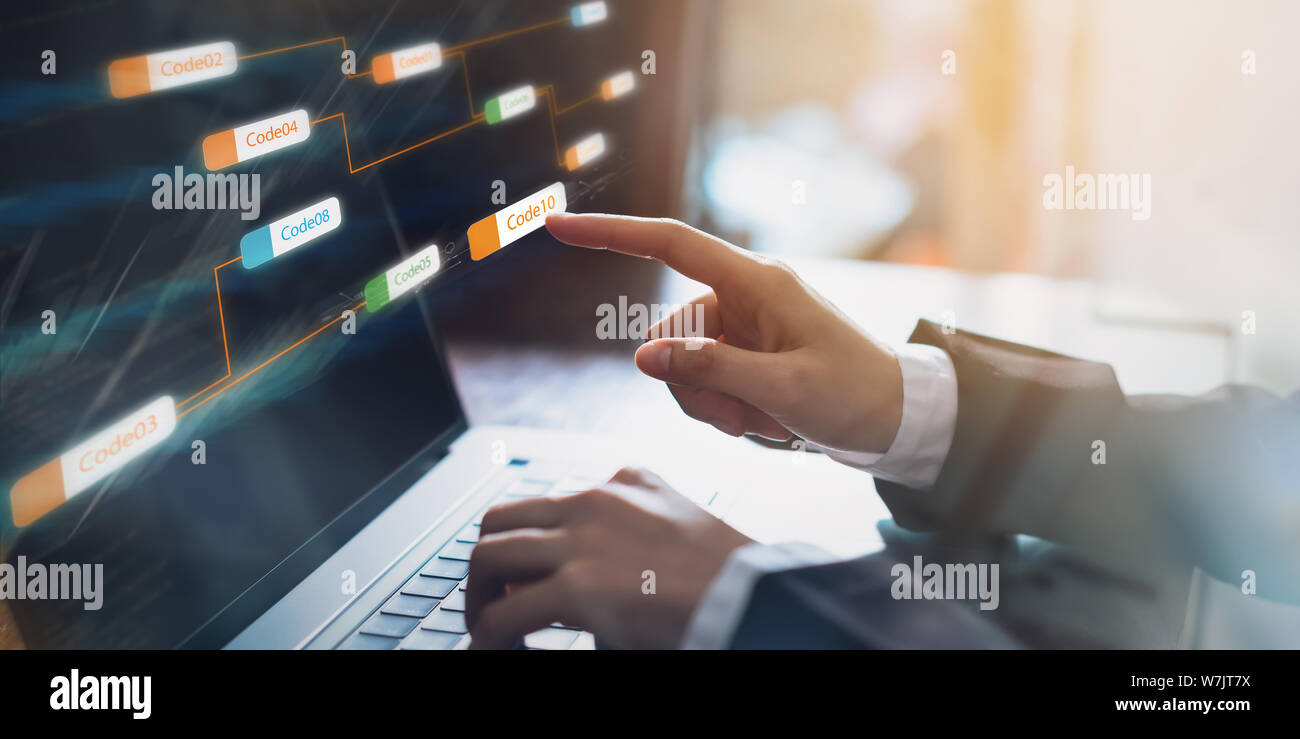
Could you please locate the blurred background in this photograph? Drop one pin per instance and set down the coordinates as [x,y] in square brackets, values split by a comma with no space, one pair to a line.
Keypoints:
[920,132]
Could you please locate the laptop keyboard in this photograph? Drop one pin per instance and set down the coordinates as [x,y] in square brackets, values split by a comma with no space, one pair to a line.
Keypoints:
[428,611]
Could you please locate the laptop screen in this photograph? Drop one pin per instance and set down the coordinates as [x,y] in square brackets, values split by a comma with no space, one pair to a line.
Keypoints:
[223,225]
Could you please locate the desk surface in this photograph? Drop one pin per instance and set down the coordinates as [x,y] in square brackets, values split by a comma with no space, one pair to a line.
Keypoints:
[592,386]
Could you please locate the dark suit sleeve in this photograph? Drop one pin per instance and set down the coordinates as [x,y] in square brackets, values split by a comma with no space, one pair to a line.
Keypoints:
[1211,481]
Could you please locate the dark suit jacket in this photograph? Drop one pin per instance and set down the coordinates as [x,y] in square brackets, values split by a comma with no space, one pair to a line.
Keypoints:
[1210,481]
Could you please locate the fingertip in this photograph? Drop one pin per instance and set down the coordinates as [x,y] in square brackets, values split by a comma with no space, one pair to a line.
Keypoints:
[559,223]
[567,227]
[654,358]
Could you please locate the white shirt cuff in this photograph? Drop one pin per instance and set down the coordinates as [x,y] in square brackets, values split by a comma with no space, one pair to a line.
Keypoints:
[925,433]
[718,615]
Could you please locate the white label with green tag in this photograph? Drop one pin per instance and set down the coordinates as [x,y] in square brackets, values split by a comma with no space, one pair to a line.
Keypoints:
[409,274]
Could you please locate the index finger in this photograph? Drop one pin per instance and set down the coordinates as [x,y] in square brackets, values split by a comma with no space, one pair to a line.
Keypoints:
[528,513]
[691,252]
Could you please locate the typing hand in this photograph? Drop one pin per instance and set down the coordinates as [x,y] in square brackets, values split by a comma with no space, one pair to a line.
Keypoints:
[584,560]
[777,358]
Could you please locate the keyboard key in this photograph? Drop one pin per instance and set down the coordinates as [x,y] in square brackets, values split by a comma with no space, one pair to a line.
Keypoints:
[423,639]
[383,624]
[527,488]
[366,641]
[468,534]
[454,602]
[458,550]
[449,621]
[439,567]
[409,605]
[546,470]
[551,639]
[429,587]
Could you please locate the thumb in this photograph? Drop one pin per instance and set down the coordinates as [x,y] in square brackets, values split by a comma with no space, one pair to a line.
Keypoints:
[754,377]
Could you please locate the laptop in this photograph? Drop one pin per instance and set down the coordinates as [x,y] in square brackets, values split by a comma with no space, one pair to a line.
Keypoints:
[414,595]
[397,580]
[218,407]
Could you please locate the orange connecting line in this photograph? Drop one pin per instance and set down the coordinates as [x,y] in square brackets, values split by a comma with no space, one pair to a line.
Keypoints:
[464,67]
[340,39]
[549,92]
[348,147]
[475,119]
[221,312]
[583,101]
[446,52]
[245,376]
[506,34]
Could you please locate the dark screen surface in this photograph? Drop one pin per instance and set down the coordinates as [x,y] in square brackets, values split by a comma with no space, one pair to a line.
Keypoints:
[300,411]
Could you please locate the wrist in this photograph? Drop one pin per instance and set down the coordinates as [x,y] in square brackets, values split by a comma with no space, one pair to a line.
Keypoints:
[881,412]
[719,612]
